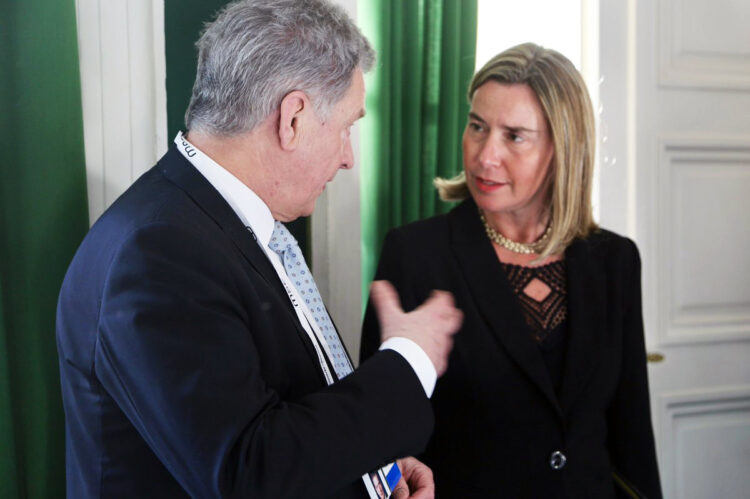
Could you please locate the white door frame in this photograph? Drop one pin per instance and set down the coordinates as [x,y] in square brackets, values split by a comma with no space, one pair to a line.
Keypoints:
[123,78]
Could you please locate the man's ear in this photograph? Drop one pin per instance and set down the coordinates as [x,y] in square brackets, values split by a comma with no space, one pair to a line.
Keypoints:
[293,107]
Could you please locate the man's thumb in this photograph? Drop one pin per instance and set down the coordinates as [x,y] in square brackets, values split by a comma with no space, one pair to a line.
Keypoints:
[385,299]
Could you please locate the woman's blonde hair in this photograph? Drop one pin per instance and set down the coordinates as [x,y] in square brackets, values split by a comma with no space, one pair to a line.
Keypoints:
[566,105]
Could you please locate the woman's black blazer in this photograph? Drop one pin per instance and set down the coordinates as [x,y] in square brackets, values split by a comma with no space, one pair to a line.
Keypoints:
[501,430]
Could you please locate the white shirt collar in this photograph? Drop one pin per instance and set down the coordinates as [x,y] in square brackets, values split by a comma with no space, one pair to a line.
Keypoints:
[253,212]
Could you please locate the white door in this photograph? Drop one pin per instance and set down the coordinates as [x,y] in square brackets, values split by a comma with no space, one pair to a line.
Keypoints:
[675,176]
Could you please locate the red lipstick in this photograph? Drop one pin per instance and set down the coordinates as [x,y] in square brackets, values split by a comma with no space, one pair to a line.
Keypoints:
[486,185]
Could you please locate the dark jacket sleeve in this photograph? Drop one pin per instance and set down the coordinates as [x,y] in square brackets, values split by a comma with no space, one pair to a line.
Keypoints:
[176,350]
[630,437]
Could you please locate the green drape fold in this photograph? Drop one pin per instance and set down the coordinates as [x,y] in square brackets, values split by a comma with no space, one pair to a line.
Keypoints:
[416,111]
[43,217]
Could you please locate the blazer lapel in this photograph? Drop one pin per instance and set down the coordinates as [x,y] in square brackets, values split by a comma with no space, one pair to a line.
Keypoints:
[178,170]
[494,296]
[586,309]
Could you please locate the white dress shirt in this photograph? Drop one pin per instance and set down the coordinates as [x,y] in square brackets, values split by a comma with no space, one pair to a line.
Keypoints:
[256,215]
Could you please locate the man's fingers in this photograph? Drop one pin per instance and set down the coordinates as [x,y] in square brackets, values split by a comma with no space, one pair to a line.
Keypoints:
[419,479]
[430,326]
[401,491]
[385,299]
[442,306]
[440,302]
[456,318]
[444,298]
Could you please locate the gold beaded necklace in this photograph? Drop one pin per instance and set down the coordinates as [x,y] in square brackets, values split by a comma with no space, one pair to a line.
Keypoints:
[516,247]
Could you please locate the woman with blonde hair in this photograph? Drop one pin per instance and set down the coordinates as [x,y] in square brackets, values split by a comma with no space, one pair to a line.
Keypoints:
[546,392]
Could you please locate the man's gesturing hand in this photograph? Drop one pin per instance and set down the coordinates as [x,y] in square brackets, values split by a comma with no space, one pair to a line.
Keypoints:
[431,325]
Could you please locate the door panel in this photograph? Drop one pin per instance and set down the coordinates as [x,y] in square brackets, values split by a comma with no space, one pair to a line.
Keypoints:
[675,114]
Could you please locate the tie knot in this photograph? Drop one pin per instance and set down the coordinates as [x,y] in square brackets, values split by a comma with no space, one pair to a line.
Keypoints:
[282,239]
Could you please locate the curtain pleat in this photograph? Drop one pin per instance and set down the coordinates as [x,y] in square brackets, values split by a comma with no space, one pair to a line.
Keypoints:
[43,217]
[416,111]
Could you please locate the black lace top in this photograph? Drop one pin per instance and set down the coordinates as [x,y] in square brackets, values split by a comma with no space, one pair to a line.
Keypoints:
[542,294]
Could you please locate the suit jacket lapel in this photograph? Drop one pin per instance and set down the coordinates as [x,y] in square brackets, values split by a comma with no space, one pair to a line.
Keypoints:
[178,170]
[586,315]
[494,297]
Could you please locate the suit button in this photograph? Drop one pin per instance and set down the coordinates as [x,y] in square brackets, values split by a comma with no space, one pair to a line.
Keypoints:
[557,460]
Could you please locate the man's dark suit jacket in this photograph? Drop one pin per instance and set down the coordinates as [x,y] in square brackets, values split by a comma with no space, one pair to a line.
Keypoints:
[498,419]
[185,370]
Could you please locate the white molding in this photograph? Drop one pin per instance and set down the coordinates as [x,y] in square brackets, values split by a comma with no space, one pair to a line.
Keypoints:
[122,64]
[590,55]
[616,165]
[336,230]
[679,67]
[159,81]
[702,324]
[676,405]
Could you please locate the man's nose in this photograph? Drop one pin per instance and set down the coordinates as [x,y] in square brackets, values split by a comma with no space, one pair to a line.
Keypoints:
[347,161]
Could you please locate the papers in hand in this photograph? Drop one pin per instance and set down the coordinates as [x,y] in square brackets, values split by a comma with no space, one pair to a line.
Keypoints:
[381,482]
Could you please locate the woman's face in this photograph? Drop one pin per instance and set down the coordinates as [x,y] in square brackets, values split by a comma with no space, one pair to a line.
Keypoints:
[507,150]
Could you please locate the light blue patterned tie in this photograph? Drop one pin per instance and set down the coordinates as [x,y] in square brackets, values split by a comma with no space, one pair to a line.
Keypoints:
[283,243]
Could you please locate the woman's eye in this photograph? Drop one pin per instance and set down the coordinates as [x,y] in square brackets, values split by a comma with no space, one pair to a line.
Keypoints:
[514,137]
[475,127]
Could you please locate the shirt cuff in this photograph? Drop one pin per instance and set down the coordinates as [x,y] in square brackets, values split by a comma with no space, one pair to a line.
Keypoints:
[417,359]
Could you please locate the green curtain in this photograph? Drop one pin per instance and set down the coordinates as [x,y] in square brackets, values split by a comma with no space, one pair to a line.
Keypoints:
[183,23]
[416,111]
[43,217]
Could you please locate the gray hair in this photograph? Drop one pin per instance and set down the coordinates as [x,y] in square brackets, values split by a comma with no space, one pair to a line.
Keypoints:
[257,51]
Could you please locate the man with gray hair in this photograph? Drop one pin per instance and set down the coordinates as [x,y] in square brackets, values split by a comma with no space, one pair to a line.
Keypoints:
[196,356]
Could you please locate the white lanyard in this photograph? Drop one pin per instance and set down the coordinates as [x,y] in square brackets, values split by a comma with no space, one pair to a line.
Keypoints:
[303,314]
[201,162]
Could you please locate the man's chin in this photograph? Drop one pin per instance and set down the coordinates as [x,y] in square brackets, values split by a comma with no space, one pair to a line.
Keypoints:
[307,211]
